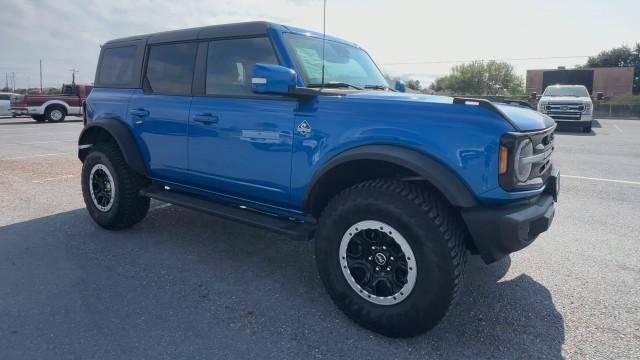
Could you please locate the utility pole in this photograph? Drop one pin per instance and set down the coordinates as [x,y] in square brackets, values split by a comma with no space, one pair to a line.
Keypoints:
[73,76]
[6,81]
[40,76]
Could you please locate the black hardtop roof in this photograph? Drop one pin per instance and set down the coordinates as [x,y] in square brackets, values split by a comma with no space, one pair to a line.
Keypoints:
[213,31]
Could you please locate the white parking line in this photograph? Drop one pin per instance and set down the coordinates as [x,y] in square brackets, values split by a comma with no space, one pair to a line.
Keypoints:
[44,142]
[36,156]
[617,128]
[53,178]
[162,206]
[601,179]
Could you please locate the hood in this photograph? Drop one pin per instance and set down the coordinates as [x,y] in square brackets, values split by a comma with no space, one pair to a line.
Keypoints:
[553,99]
[522,117]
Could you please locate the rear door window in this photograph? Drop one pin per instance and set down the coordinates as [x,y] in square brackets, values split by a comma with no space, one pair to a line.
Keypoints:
[170,69]
[118,66]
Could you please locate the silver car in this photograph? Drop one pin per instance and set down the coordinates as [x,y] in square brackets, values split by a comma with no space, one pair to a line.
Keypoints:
[5,104]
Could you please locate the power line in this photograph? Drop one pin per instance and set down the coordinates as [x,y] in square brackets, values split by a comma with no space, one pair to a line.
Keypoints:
[505,59]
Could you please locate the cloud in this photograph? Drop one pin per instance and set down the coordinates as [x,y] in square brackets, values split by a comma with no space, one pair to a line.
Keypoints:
[67,34]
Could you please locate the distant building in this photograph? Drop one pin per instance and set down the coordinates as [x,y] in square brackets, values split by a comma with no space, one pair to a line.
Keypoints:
[611,81]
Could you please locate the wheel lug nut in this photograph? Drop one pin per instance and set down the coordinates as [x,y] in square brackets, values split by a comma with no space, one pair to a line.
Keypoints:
[377,268]
[388,268]
[391,258]
[370,257]
[384,248]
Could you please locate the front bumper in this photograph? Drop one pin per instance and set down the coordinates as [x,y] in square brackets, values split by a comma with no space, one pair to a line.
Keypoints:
[19,111]
[560,116]
[499,231]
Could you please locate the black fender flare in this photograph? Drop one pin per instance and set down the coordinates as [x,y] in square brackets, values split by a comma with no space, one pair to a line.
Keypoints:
[441,177]
[122,135]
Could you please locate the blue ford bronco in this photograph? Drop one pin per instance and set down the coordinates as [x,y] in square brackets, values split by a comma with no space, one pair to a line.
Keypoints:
[271,126]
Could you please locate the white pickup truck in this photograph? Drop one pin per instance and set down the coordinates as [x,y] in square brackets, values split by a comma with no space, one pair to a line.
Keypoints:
[568,103]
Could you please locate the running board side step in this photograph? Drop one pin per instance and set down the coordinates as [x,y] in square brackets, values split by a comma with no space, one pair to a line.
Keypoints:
[295,230]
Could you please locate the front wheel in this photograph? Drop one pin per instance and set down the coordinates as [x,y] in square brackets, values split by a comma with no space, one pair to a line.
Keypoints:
[111,189]
[55,113]
[391,256]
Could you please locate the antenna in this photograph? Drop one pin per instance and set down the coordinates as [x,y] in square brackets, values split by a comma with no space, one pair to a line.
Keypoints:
[324,35]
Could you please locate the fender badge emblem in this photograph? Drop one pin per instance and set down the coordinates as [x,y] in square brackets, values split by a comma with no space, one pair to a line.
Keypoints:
[304,127]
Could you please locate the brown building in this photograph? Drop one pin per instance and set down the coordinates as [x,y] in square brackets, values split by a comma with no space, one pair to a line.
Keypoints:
[611,81]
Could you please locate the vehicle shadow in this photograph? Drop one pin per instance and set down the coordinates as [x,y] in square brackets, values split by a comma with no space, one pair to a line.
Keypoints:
[28,121]
[568,129]
[183,284]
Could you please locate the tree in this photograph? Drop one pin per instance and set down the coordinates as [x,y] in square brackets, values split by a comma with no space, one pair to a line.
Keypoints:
[413,85]
[52,90]
[481,78]
[619,57]
[409,83]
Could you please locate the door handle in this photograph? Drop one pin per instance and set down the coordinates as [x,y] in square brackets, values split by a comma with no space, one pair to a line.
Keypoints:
[139,112]
[206,119]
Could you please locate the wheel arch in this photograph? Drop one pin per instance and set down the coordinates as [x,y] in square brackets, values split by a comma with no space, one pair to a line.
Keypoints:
[57,103]
[369,161]
[112,130]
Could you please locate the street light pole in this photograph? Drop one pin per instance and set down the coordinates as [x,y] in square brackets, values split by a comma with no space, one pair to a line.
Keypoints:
[40,76]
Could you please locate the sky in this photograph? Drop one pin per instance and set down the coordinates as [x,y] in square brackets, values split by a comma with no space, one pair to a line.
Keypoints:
[66,34]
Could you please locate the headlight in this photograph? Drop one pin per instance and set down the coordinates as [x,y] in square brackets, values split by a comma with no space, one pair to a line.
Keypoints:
[541,106]
[521,166]
[519,160]
[588,107]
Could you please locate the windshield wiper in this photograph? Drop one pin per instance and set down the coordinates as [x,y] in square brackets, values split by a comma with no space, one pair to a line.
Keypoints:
[378,87]
[334,85]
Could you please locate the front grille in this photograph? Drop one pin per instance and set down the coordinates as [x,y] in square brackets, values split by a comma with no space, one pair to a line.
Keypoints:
[564,110]
[543,142]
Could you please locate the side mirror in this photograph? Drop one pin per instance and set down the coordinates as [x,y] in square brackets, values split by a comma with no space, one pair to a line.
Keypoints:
[400,86]
[533,95]
[272,79]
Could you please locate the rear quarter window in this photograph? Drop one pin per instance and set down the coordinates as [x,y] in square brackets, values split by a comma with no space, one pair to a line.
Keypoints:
[118,66]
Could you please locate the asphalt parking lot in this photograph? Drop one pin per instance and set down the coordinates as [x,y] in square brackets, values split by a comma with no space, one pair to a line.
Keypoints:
[186,285]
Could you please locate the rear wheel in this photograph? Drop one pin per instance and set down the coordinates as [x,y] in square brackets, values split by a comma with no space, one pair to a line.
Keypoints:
[391,256]
[110,189]
[55,113]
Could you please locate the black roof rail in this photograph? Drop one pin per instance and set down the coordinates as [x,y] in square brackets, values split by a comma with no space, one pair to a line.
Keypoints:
[517,102]
[483,103]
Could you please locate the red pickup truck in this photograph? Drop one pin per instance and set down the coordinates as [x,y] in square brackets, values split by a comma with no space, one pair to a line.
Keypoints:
[52,108]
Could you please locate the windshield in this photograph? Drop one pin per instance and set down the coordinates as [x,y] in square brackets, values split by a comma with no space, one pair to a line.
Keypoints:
[343,63]
[577,91]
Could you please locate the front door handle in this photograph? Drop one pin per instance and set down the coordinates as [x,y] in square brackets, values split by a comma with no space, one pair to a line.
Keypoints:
[206,119]
[139,112]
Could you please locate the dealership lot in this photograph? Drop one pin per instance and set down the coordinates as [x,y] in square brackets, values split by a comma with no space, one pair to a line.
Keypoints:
[186,285]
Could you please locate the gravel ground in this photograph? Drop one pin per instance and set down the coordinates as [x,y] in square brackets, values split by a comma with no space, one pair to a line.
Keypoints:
[186,285]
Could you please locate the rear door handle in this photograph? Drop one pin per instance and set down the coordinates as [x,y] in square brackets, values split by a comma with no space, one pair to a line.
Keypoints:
[206,119]
[139,112]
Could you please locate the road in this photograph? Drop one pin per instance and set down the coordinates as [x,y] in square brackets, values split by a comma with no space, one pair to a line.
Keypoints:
[186,285]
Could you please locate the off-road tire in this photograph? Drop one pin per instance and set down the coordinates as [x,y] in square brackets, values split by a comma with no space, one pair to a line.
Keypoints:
[128,208]
[435,235]
[587,128]
[51,110]
[38,118]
